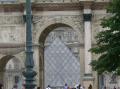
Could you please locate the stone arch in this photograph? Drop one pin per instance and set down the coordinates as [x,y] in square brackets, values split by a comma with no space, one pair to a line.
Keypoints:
[16,61]
[45,30]
[52,23]
[21,58]
[3,62]
[48,29]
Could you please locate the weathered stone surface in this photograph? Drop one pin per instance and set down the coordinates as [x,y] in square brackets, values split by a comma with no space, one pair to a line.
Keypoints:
[13,31]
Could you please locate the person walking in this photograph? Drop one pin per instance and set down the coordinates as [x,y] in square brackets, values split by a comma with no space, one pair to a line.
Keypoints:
[80,86]
[48,87]
[66,86]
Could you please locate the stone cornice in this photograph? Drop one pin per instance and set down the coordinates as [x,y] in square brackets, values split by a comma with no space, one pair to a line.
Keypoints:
[11,51]
[87,4]
[11,7]
[11,45]
[99,5]
[15,45]
[57,6]
[11,48]
[54,6]
[69,6]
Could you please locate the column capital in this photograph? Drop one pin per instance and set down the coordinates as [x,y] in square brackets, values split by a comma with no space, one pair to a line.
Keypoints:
[87,17]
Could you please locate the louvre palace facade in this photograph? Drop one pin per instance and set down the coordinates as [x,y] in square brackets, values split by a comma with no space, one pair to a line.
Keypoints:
[63,31]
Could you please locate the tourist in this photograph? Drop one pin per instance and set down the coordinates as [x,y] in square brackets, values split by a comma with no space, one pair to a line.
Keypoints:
[105,87]
[90,86]
[80,86]
[38,87]
[66,86]
[48,87]
[15,87]
[114,87]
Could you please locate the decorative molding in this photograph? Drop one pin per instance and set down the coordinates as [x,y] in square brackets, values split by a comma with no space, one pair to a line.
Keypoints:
[11,48]
[87,4]
[11,51]
[11,45]
[57,6]
[53,6]
[99,5]
[69,6]
[11,7]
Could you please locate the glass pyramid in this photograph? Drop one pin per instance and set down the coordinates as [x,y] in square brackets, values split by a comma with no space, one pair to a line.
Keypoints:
[61,66]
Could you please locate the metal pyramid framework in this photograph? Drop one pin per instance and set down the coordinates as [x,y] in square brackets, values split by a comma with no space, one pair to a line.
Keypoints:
[61,66]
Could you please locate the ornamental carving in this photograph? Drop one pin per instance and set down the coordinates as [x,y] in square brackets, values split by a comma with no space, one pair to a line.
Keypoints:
[8,20]
[10,34]
[76,20]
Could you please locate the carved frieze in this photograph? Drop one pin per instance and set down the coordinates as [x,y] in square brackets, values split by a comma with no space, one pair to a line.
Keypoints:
[76,20]
[8,20]
[12,34]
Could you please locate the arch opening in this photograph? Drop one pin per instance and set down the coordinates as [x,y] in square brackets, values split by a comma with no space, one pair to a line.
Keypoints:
[55,38]
[11,72]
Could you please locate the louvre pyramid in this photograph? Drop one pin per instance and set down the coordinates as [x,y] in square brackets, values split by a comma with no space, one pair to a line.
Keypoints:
[61,66]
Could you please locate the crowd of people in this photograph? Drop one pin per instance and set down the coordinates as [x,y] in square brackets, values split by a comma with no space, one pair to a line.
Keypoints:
[104,87]
[79,86]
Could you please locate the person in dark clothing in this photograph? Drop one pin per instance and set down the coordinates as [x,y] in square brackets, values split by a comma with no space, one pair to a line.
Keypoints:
[105,87]
[114,87]
[38,87]
[1,85]
[90,86]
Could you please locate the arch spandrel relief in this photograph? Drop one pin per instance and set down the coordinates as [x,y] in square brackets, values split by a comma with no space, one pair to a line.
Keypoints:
[42,22]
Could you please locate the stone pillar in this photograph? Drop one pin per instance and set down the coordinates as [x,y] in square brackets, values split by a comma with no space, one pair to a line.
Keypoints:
[87,30]
[41,68]
[87,16]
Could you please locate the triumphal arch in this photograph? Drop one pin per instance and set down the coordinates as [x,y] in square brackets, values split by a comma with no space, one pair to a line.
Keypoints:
[63,32]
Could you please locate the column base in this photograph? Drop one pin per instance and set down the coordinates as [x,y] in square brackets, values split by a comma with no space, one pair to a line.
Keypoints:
[88,80]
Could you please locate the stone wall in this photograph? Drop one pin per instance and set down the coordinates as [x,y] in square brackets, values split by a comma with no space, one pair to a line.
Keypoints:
[12,30]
